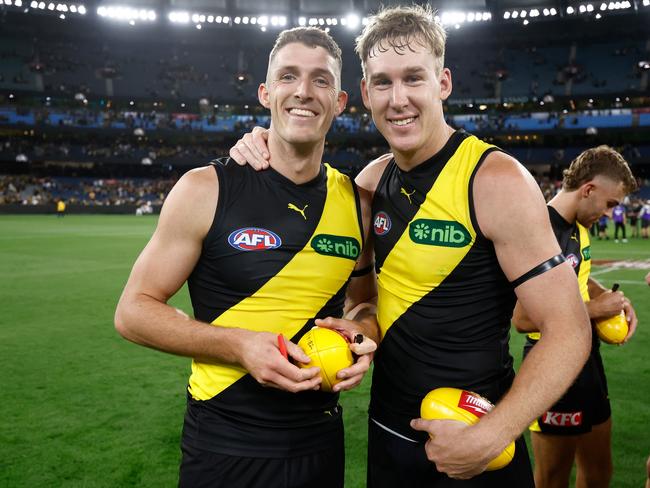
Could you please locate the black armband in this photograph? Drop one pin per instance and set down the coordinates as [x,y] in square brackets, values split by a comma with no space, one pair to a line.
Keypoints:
[363,271]
[539,269]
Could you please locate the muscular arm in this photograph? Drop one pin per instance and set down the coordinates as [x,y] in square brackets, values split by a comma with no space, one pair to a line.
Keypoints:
[511,213]
[523,238]
[143,316]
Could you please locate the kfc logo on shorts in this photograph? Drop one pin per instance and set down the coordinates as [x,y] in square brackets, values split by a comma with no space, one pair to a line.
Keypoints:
[573,260]
[381,223]
[562,419]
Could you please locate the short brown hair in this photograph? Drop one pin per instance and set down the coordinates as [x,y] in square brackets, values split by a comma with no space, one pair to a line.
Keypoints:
[601,160]
[398,28]
[310,37]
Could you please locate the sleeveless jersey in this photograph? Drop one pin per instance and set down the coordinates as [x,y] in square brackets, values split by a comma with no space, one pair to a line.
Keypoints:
[444,304]
[277,256]
[576,248]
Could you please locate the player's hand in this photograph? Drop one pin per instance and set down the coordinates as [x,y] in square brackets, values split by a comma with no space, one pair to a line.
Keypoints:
[632,321]
[252,149]
[261,357]
[457,449]
[364,350]
[607,304]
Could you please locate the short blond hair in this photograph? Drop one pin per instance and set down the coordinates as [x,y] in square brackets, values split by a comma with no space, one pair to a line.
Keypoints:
[398,28]
[601,160]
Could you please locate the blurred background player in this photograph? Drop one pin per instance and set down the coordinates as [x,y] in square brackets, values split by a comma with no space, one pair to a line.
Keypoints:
[602,227]
[619,217]
[578,427]
[644,216]
[253,247]
[60,208]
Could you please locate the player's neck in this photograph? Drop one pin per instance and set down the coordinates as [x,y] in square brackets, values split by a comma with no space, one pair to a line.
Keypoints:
[566,205]
[408,160]
[298,163]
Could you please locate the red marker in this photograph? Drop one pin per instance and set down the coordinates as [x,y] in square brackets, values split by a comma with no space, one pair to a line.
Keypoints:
[282,346]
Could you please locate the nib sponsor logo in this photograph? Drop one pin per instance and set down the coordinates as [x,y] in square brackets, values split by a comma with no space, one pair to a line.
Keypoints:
[254,239]
[474,403]
[445,233]
[562,419]
[338,246]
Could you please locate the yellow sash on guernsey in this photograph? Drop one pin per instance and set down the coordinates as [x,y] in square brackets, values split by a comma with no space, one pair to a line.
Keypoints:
[292,297]
[448,200]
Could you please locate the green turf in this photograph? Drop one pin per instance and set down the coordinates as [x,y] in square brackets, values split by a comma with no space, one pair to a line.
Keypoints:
[83,407]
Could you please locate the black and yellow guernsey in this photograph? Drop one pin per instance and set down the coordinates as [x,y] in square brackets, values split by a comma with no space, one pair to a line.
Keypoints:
[576,248]
[278,255]
[444,304]
[575,244]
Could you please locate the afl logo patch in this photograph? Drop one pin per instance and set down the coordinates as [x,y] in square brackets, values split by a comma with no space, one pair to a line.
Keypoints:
[254,239]
[381,223]
[573,260]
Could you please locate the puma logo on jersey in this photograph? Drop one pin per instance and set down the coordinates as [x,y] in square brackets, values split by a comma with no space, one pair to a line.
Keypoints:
[301,211]
[575,238]
[407,194]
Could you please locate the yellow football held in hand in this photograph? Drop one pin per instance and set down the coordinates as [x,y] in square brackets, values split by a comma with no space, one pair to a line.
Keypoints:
[463,406]
[327,350]
[614,329]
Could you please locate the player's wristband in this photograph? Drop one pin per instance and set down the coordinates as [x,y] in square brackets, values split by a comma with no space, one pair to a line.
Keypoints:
[539,269]
[363,271]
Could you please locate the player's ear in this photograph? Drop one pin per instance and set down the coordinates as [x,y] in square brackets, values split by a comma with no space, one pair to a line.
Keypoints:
[341,102]
[263,95]
[364,93]
[587,189]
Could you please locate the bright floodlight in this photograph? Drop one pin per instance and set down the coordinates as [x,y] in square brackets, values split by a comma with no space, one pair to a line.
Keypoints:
[302,21]
[452,18]
[352,21]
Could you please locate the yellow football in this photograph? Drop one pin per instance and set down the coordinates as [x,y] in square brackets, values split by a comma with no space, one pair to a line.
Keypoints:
[327,350]
[613,330]
[463,406]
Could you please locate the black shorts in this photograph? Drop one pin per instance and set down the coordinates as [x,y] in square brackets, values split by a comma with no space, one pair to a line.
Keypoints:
[585,404]
[645,224]
[323,469]
[396,462]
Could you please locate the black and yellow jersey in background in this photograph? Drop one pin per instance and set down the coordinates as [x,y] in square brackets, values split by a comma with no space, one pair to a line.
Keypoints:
[576,248]
[306,239]
[444,304]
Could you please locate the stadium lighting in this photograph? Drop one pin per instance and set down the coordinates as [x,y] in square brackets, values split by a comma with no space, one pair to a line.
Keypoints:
[506,15]
[452,17]
[302,21]
[125,14]
[570,10]
[179,17]
[352,21]
[526,22]
[81,9]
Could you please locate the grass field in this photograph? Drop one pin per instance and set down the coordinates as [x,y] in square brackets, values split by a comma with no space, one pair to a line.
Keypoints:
[81,407]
